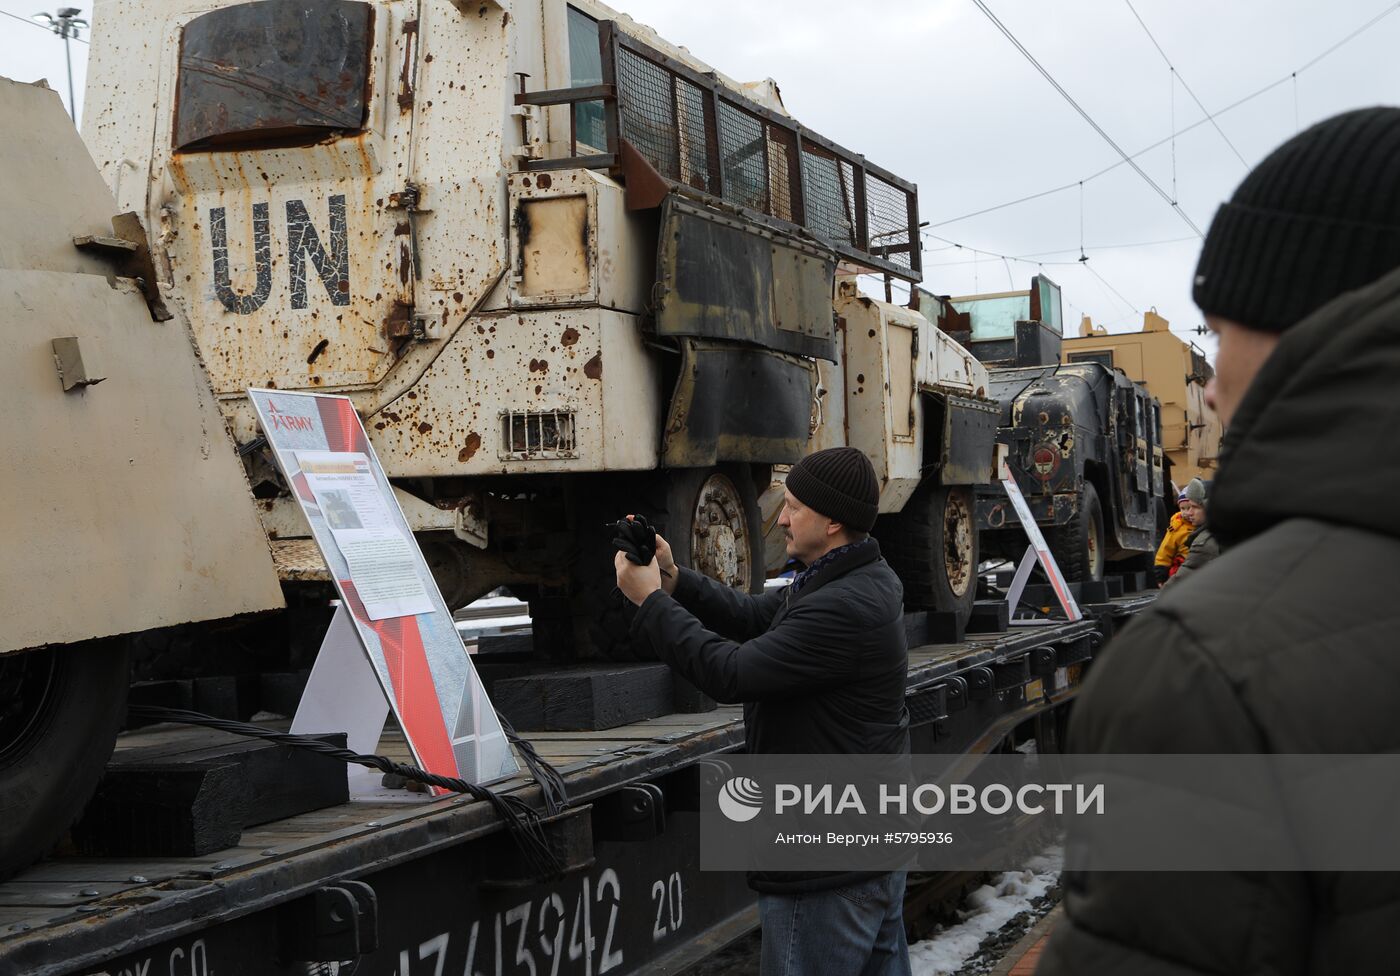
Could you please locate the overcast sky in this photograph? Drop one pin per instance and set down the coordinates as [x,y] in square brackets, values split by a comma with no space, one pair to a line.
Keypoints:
[935,92]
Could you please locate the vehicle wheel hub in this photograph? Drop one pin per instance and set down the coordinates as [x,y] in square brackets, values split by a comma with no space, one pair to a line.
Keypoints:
[1095,552]
[958,544]
[719,536]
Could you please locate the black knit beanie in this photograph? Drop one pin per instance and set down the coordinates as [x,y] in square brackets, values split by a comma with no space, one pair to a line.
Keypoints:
[839,483]
[1320,216]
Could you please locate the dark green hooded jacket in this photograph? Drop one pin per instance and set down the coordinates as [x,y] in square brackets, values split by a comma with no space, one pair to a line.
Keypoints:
[1289,642]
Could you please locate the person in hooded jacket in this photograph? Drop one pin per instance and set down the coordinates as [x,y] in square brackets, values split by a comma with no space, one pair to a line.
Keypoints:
[820,666]
[1286,643]
[1201,545]
[1171,554]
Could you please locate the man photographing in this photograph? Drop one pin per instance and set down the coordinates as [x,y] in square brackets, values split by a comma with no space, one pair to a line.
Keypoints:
[820,666]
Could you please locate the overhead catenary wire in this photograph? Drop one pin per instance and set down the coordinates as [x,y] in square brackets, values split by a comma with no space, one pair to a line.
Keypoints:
[1103,281]
[978,252]
[1257,93]
[1081,221]
[1030,258]
[1083,262]
[1172,109]
[1176,76]
[1186,218]
[35,23]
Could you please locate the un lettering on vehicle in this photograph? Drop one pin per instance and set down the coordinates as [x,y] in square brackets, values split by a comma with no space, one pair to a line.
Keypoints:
[291,284]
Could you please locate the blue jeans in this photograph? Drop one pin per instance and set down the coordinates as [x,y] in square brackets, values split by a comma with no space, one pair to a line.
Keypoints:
[857,930]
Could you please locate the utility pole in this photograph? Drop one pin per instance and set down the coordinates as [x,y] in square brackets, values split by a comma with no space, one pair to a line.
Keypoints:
[66,24]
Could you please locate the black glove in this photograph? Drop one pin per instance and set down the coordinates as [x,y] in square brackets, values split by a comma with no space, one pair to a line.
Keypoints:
[636,538]
[1162,574]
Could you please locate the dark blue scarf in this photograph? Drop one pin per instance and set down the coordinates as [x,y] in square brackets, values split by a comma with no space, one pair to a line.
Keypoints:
[804,577]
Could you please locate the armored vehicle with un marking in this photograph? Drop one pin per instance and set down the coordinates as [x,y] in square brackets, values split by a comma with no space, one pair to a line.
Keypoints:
[563,270]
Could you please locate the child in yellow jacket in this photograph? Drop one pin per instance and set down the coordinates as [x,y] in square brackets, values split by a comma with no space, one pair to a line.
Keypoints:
[1172,552]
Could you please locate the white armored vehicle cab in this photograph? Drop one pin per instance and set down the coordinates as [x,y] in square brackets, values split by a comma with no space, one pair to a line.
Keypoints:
[563,270]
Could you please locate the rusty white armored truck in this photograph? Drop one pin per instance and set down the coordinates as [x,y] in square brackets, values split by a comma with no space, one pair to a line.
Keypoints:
[125,510]
[564,271]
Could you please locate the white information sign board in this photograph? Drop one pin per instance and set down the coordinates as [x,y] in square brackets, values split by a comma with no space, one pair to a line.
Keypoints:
[393,621]
[380,557]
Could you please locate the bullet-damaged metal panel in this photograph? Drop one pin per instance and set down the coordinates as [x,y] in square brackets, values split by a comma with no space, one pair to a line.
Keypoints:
[915,399]
[290,283]
[995,511]
[553,240]
[945,365]
[335,265]
[121,101]
[289,70]
[971,427]
[722,278]
[734,403]
[828,423]
[1046,430]
[900,351]
[295,258]
[870,327]
[517,392]
[573,242]
[454,154]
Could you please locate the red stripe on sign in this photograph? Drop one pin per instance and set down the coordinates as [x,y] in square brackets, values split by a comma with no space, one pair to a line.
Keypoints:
[303,489]
[415,695]
[342,425]
[1071,609]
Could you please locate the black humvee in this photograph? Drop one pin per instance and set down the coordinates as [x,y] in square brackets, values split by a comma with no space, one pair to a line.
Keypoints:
[1084,441]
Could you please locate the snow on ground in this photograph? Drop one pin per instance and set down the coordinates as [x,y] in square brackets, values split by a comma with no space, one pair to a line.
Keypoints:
[986,910]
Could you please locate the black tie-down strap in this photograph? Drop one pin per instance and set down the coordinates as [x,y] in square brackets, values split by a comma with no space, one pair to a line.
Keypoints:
[522,820]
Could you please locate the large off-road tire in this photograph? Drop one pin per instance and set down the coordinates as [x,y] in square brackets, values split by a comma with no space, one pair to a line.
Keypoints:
[932,545]
[711,519]
[1079,545]
[60,710]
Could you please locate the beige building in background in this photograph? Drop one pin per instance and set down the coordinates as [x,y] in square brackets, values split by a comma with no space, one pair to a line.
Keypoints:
[1175,372]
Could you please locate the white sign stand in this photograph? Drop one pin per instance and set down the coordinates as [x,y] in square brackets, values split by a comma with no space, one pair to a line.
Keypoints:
[343,694]
[1038,550]
[1022,576]
[393,645]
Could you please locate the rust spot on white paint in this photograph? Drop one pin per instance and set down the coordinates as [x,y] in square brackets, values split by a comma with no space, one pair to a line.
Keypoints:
[473,445]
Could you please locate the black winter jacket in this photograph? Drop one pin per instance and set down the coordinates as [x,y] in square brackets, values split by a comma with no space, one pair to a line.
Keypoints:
[1285,643]
[820,672]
